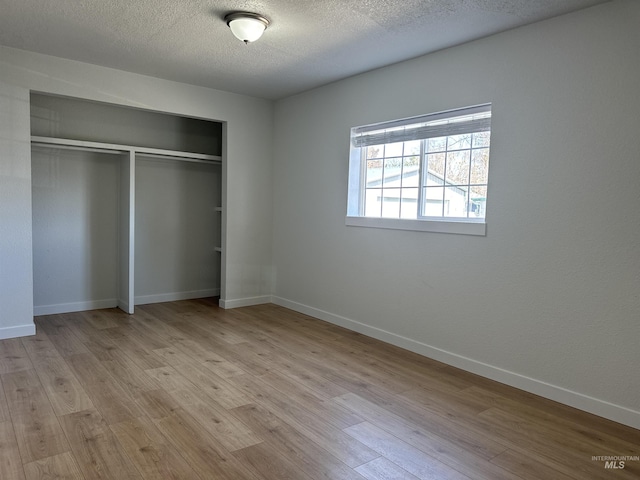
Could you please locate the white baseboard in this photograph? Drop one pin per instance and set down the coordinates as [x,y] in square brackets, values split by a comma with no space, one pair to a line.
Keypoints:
[580,401]
[175,296]
[19,331]
[244,302]
[74,307]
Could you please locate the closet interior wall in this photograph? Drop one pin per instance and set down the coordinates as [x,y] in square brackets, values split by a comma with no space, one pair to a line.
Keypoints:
[75,198]
[127,206]
[176,230]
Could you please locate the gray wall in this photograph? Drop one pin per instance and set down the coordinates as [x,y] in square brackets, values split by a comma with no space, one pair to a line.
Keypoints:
[176,230]
[76,198]
[549,300]
[16,278]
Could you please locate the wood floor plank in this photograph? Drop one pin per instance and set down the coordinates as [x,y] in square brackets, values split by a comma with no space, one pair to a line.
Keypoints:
[169,379]
[106,344]
[297,392]
[402,454]
[344,364]
[320,385]
[157,404]
[4,408]
[227,429]
[164,335]
[384,469]
[102,347]
[453,452]
[151,452]
[49,324]
[544,449]
[96,449]
[129,375]
[66,342]
[218,329]
[79,326]
[394,357]
[139,344]
[173,356]
[294,366]
[306,454]
[60,384]
[99,319]
[565,449]
[10,464]
[268,464]
[119,317]
[367,365]
[295,363]
[158,311]
[206,456]
[446,402]
[39,348]
[62,387]
[314,427]
[216,387]
[249,363]
[291,342]
[176,308]
[198,351]
[517,423]
[467,436]
[223,368]
[13,356]
[190,397]
[532,412]
[61,466]
[36,426]
[106,394]
[527,467]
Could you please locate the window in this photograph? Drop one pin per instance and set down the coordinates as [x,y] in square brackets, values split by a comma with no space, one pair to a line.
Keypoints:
[422,173]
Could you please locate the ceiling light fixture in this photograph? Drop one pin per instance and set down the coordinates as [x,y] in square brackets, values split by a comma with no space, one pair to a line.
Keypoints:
[247,27]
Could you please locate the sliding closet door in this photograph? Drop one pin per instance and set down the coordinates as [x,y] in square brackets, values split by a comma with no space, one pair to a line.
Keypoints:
[177,230]
[76,217]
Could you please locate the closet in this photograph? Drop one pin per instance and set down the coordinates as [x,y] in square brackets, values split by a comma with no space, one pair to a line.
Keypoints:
[127,206]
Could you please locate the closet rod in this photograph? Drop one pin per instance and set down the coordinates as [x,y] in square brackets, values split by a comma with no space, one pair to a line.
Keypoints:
[160,156]
[83,145]
[77,148]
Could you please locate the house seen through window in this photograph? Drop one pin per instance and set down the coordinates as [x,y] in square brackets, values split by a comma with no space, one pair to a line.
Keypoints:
[428,168]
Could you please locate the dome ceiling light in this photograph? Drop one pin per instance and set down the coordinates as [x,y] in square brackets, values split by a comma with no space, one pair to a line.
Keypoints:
[247,27]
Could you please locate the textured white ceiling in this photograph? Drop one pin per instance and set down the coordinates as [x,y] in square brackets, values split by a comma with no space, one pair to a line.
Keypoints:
[309,42]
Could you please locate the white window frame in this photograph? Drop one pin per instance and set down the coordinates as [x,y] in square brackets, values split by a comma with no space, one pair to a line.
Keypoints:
[413,128]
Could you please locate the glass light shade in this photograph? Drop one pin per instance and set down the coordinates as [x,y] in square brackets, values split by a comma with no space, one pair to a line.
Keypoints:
[247,28]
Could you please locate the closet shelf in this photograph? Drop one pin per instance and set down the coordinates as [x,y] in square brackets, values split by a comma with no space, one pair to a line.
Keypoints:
[84,145]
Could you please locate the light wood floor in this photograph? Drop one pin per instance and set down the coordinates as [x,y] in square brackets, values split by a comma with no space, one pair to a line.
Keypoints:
[186,390]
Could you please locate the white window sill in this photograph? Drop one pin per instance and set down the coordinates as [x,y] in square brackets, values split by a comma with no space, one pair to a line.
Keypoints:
[435,226]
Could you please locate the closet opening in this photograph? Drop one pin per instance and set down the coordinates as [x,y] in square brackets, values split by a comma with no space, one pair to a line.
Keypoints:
[127,206]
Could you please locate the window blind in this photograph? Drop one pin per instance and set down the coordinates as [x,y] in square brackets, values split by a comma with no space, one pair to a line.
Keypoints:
[467,120]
